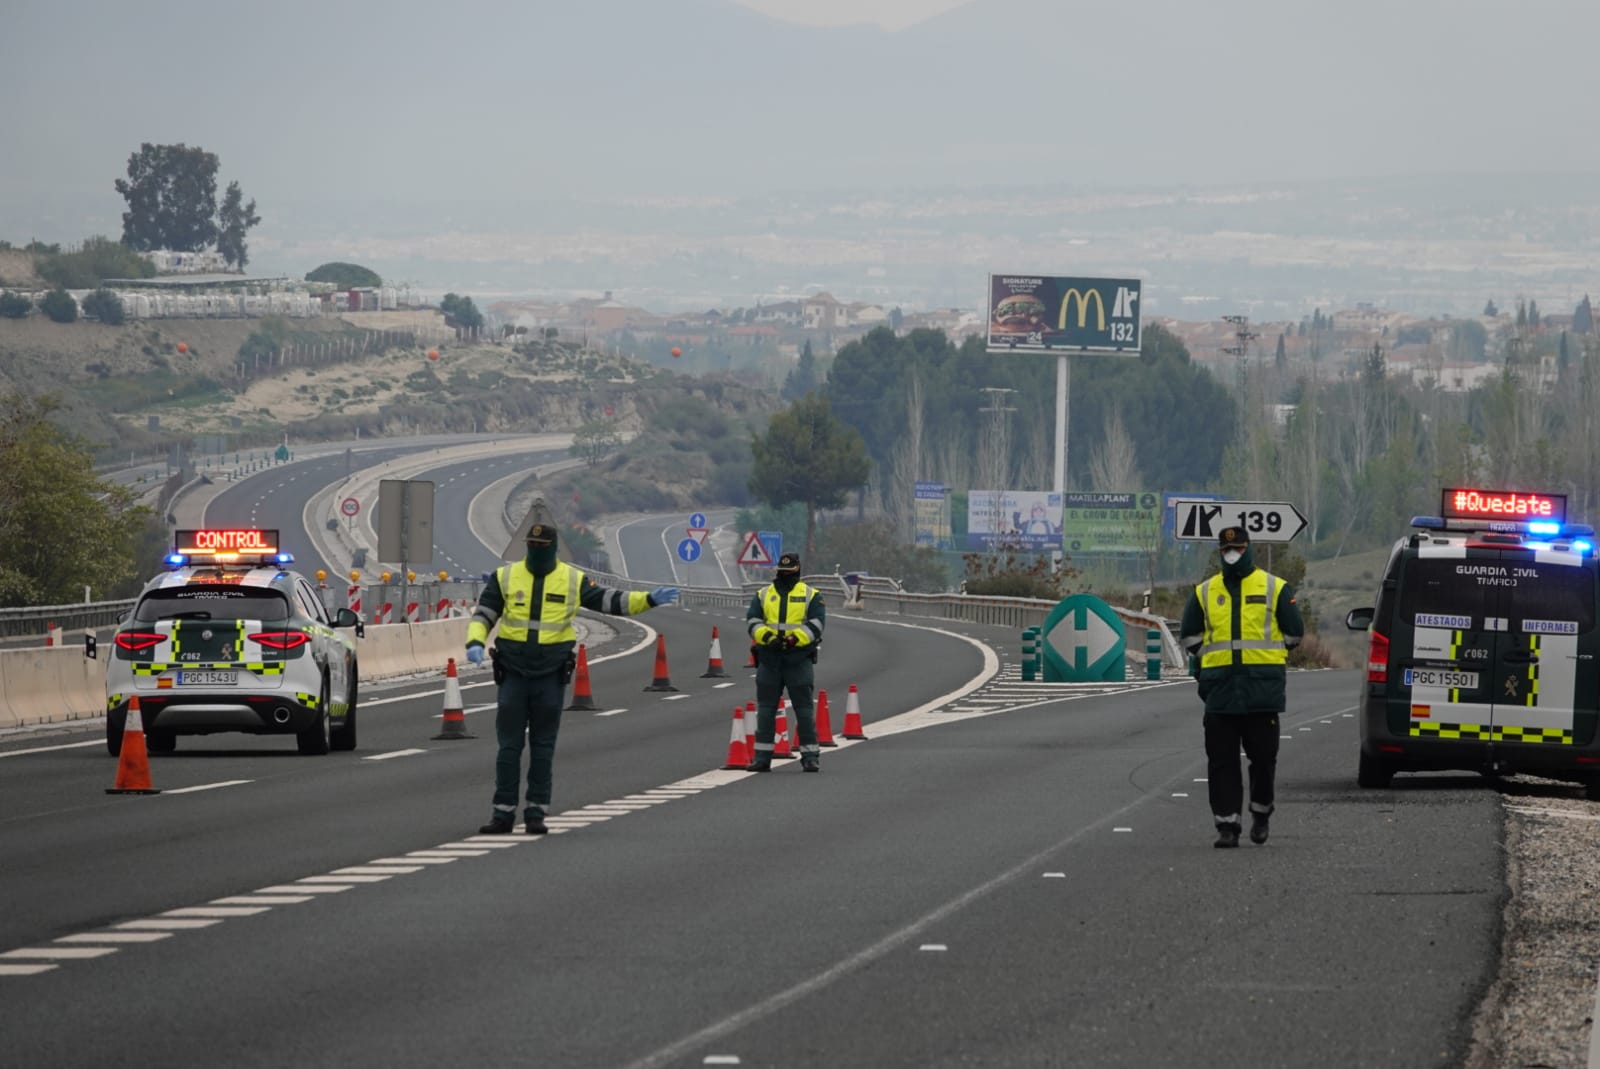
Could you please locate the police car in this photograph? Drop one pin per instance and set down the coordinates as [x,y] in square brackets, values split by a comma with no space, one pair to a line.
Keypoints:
[230,640]
[1483,652]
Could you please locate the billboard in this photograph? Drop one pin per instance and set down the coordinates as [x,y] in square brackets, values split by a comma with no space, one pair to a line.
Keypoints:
[932,516]
[1013,519]
[1049,313]
[1127,524]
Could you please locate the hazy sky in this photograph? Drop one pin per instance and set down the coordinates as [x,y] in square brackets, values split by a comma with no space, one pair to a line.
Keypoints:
[890,14]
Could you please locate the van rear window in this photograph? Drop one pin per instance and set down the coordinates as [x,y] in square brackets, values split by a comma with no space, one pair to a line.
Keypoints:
[1510,588]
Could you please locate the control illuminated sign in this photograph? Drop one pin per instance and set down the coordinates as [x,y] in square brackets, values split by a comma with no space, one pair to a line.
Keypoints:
[227,542]
[1466,503]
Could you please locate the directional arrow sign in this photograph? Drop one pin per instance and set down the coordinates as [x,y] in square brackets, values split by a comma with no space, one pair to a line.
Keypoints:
[1199,520]
[1084,641]
[689,550]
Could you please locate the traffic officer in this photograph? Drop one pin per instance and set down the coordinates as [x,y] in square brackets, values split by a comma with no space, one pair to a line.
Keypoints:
[1241,623]
[535,601]
[785,621]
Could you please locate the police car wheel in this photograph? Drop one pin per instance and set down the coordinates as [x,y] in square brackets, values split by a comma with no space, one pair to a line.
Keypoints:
[1371,772]
[161,741]
[313,741]
[343,737]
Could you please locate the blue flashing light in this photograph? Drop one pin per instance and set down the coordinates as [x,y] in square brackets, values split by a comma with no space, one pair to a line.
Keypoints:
[284,558]
[177,560]
[1543,527]
[1428,523]
[1581,546]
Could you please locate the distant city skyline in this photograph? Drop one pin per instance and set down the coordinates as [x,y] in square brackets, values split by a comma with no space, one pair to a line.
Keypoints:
[889,14]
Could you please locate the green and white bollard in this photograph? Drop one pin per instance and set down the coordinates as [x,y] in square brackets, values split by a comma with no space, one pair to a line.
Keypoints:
[1152,654]
[1030,660]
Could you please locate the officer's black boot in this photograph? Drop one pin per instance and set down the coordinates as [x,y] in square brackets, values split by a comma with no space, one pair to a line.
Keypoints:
[761,762]
[533,821]
[1258,828]
[809,763]
[499,824]
[1227,836]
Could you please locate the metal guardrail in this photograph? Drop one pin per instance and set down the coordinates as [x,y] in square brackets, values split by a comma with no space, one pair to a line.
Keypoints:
[35,619]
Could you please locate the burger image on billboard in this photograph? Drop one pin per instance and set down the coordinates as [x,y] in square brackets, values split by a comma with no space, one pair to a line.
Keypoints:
[1019,313]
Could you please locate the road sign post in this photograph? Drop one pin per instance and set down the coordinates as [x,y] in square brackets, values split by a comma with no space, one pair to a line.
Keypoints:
[405,521]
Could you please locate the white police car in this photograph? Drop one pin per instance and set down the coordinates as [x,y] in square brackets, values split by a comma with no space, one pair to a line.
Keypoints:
[1483,649]
[231,640]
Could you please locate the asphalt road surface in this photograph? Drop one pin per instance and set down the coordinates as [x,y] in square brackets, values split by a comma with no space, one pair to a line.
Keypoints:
[1019,875]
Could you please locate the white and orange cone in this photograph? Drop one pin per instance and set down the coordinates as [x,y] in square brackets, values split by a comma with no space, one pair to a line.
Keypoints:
[714,669]
[852,716]
[455,717]
[133,760]
[738,752]
[781,747]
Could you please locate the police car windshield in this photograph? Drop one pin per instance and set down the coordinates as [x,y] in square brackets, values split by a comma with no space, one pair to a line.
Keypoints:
[213,602]
[1511,586]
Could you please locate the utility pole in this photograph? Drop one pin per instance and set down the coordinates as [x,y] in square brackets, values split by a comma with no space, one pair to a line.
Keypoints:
[1240,349]
[998,454]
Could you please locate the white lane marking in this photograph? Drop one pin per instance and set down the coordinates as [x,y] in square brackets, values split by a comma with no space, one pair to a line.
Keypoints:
[719,686]
[1121,829]
[578,815]
[606,810]
[392,753]
[59,953]
[209,786]
[676,697]
[114,937]
[262,900]
[933,946]
[1288,736]
[1180,794]
[448,853]
[721,1059]
[1055,875]
[307,888]
[1307,729]
[652,799]
[611,712]
[493,842]
[413,858]
[216,911]
[627,803]
[52,749]
[170,924]
[348,879]
[377,870]
[1201,780]
[25,970]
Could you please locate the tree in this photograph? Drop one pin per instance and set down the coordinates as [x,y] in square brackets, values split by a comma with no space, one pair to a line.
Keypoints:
[344,276]
[803,378]
[460,312]
[61,528]
[1280,359]
[1583,317]
[594,441]
[1533,314]
[59,306]
[171,192]
[808,456]
[234,219]
[14,305]
[1490,310]
[98,259]
[105,306]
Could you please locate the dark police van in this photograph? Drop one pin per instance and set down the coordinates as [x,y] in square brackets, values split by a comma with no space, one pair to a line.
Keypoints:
[1483,652]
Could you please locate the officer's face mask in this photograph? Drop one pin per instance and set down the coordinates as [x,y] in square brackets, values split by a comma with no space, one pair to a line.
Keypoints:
[785,580]
[541,558]
[1232,556]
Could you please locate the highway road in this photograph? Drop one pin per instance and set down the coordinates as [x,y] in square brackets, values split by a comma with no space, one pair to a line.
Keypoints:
[648,551]
[1021,876]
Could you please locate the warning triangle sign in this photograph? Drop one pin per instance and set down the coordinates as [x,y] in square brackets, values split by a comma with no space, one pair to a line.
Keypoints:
[755,550]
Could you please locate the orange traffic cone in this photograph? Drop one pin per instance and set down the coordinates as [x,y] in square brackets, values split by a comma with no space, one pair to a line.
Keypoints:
[852,715]
[738,752]
[750,726]
[661,680]
[824,728]
[582,697]
[455,718]
[752,663]
[714,667]
[780,738]
[133,762]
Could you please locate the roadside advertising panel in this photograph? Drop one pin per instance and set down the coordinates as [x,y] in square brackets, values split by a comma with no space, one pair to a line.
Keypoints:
[1050,313]
[1013,519]
[1112,523]
[932,516]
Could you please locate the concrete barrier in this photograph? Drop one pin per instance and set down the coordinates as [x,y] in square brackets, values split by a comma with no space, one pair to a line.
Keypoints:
[385,651]
[46,685]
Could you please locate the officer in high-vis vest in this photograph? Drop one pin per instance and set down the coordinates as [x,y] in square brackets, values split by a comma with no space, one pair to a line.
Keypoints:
[785,621]
[1240,625]
[535,601]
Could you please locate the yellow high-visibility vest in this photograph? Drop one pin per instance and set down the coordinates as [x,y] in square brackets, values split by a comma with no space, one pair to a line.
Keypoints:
[795,618]
[1260,640]
[553,622]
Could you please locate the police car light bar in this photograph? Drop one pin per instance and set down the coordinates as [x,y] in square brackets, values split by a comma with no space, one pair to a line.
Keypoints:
[226,545]
[1516,506]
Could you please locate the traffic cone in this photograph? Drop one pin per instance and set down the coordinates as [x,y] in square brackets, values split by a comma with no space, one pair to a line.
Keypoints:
[714,668]
[824,728]
[750,726]
[582,697]
[780,739]
[752,663]
[852,715]
[455,718]
[738,752]
[661,680]
[133,762]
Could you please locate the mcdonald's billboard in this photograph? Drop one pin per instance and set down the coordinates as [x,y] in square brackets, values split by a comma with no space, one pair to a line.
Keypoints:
[1046,313]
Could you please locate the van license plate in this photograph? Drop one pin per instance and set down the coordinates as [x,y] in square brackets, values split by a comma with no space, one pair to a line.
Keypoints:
[1439,677]
[202,678]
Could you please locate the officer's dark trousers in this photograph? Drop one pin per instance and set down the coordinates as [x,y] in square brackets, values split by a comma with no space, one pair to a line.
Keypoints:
[1257,733]
[776,673]
[528,708]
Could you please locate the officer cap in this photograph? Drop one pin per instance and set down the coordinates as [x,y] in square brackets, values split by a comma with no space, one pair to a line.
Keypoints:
[542,534]
[1233,538]
[789,562]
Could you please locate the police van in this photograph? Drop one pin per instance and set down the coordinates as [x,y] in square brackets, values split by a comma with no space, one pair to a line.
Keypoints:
[1483,652]
[229,639]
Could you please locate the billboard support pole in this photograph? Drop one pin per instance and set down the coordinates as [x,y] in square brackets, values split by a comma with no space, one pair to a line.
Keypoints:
[1063,391]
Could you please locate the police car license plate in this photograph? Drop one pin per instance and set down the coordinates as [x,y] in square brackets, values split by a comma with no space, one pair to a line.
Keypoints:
[195,677]
[1439,677]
